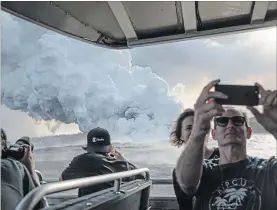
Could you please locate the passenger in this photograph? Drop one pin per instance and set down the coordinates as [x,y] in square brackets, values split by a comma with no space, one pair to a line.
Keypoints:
[101,158]
[235,180]
[26,141]
[17,177]
[179,137]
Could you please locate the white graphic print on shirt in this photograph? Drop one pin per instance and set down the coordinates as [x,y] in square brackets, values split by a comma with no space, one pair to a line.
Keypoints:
[236,194]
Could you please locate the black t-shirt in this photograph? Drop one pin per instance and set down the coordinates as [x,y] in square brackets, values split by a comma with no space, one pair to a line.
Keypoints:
[94,164]
[186,202]
[16,182]
[250,184]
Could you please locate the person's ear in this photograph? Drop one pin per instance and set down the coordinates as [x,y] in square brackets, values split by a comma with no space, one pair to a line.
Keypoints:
[249,132]
[213,134]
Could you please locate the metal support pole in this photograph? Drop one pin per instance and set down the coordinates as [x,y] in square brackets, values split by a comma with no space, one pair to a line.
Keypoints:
[117,184]
[144,202]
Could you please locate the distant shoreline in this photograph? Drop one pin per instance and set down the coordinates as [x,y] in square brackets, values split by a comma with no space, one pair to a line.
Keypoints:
[256,127]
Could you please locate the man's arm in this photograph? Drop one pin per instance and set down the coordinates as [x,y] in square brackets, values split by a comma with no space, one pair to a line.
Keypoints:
[190,165]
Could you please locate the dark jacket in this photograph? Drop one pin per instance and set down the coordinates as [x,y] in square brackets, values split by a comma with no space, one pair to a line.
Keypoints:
[94,164]
[186,202]
[16,182]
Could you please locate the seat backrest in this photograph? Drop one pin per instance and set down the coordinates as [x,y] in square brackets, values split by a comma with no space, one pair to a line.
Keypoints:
[33,197]
[132,196]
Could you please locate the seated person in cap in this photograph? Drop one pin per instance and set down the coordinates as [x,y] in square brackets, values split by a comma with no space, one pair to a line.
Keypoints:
[101,158]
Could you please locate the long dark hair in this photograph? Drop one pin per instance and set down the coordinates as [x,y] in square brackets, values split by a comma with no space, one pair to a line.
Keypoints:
[175,136]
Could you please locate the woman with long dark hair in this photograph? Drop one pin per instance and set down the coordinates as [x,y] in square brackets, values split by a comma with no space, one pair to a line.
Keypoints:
[179,137]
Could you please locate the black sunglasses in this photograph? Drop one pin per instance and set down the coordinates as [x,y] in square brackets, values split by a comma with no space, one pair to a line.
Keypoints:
[223,121]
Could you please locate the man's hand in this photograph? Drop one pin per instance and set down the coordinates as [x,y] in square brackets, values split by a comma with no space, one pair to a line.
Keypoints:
[268,119]
[204,112]
[116,154]
[29,161]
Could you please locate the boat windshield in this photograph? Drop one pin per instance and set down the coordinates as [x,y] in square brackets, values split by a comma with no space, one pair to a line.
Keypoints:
[55,89]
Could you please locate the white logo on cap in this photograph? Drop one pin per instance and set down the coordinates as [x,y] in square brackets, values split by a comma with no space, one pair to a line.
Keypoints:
[94,139]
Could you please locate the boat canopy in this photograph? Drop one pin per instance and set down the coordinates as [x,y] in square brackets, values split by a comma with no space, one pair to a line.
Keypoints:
[122,25]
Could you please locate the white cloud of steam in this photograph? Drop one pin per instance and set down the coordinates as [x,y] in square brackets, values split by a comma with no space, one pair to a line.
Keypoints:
[50,76]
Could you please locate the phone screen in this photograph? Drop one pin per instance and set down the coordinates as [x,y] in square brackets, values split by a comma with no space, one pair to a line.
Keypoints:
[238,95]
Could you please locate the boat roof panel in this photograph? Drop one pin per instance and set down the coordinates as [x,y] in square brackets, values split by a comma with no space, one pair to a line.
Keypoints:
[223,10]
[273,5]
[121,25]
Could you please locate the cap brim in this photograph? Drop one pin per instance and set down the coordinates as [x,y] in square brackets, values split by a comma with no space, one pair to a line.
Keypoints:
[103,149]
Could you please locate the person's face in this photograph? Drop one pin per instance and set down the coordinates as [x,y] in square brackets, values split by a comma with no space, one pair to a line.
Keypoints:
[186,128]
[231,128]
[22,143]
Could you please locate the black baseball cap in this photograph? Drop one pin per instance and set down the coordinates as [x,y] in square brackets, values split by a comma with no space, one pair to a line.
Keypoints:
[98,140]
[25,140]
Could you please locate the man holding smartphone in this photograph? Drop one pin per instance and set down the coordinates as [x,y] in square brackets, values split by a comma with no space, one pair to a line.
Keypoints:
[235,180]
[18,177]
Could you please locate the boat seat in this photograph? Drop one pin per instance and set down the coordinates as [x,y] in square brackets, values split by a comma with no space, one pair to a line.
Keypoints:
[132,196]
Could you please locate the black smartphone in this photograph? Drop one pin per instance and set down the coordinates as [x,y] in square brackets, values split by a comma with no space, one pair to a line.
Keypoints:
[238,95]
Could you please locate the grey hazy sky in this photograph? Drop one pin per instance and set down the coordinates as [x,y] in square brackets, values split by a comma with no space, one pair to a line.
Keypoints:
[241,58]
[227,57]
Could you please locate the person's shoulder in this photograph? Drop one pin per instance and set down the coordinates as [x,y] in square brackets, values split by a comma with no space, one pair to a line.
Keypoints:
[6,166]
[92,155]
[257,162]
[211,163]
[91,158]
[215,153]
[270,161]
[9,163]
[82,157]
[12,170]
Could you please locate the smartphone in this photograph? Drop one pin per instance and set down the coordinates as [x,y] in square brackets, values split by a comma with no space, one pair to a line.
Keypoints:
[238,95]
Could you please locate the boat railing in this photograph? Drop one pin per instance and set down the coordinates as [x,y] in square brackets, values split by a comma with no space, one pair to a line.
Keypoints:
[159,181]
[32,198]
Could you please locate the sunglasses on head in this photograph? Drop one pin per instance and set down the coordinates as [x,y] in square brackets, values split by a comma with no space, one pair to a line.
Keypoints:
[223,121]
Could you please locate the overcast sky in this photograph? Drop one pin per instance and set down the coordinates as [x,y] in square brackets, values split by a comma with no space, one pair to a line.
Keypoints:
[236,59]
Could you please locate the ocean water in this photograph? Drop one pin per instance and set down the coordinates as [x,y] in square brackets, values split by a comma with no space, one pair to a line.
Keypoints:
[54,153]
